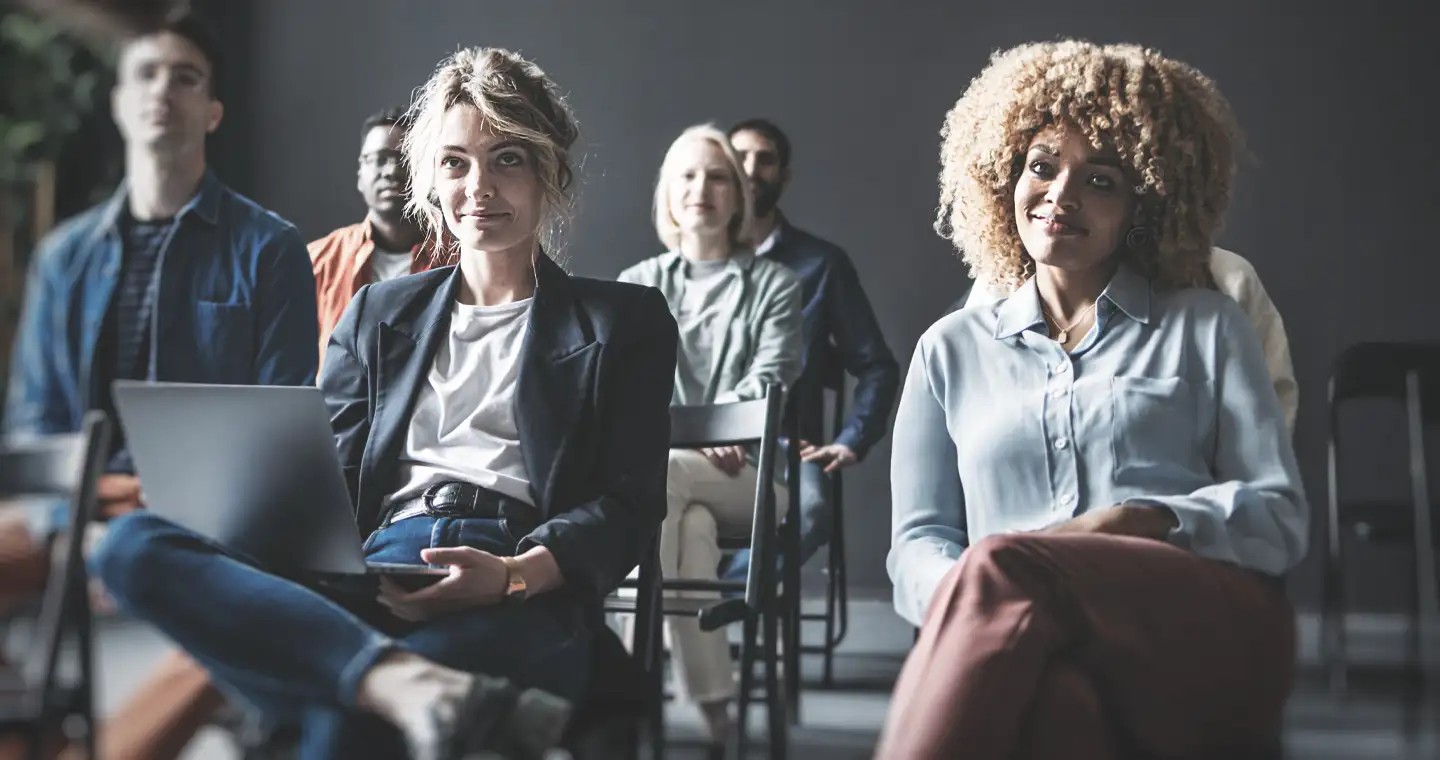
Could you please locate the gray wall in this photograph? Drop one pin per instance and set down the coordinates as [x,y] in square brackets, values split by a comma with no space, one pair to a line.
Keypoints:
[1334,210]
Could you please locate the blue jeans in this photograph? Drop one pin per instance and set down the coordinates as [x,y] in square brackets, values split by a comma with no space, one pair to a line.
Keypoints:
[297,651]
[816,522]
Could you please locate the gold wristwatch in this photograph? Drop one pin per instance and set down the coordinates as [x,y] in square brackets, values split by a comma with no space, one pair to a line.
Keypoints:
[515,587]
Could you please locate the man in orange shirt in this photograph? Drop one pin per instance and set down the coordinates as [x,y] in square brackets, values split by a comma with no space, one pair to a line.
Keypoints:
[386,244]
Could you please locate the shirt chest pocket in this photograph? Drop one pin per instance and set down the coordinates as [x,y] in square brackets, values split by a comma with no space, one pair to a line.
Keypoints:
[224,341]
[1155,434]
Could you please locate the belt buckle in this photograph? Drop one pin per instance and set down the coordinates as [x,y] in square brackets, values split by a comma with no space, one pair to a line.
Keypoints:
[431,509]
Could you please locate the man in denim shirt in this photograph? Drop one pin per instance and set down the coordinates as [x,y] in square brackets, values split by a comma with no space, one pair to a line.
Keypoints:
[175,278]
[839,331]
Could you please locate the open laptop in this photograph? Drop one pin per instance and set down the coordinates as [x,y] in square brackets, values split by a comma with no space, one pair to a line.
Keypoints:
[252,468]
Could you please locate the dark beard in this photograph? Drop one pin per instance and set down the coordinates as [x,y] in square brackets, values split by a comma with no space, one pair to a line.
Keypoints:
[767,197]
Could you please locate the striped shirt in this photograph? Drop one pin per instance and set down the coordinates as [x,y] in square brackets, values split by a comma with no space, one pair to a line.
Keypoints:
[124,350]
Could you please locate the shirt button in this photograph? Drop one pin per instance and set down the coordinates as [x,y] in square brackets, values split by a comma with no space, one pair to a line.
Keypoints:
[1068,500]
[1061,443]
[1061,368]
[1058,393]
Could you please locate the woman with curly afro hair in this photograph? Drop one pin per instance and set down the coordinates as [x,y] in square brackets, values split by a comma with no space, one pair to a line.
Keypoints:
[1095,496]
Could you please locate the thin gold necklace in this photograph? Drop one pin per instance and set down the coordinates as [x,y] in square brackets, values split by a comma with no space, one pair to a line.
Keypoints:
[1064,336]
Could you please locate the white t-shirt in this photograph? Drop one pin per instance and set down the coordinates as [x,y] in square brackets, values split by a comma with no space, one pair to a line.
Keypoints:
[463,427]
[385,265]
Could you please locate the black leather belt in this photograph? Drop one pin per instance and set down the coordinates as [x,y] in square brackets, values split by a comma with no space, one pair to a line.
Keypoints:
[460,500]
[457,499]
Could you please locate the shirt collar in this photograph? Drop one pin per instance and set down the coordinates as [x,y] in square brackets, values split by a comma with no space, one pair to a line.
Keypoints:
[781,231]
[1019,312]
[739,261]
[1128,291]
[768,244]
[205,203]
[367,237]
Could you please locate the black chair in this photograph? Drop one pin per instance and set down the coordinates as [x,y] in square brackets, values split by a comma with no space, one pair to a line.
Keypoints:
[648,666]
[608,722]
[790,592]
[1410,374]
[791,617]
[37,701]
[763,605]
[837,585]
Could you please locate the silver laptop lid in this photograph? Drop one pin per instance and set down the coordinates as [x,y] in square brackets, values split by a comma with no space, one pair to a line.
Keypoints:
[253,468]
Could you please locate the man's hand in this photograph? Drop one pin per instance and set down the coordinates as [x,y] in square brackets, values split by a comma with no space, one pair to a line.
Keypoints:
[730,459]
[117,494]
[1121,520]
[836,456]
[477,579]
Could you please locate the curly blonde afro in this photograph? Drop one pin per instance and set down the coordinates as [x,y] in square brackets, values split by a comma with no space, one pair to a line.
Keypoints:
[1175,133]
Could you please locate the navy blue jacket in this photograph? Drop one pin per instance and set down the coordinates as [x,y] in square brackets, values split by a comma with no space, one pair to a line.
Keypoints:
[839,334]
[592,405]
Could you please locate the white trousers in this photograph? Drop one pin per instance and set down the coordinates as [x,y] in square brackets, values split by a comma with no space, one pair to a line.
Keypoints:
[703,504]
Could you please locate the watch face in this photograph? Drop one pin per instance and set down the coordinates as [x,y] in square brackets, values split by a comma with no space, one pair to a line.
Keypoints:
[515,582]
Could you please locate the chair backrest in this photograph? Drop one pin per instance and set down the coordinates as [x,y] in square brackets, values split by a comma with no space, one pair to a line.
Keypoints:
[741,422]
[59,467]
[1408,373]
[52,466]
[1379,370]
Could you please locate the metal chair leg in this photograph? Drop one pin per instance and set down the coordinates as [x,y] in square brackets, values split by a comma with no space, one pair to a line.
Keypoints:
[1333,638]
[836,616]
[789,608]
[656,658]
[1427,598]
[828,650]
[748,645]
[86,653]
[776,699]
[842,573]
[1333,642]
[1414,658]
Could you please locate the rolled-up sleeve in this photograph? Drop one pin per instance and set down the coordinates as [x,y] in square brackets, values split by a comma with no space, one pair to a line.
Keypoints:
[1255,514]
[928,527]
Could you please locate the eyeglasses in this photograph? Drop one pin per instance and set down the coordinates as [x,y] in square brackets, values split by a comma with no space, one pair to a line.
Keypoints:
[381,158]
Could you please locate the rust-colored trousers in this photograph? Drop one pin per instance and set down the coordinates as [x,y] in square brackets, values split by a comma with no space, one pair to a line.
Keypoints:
[1091,647]
[160,718]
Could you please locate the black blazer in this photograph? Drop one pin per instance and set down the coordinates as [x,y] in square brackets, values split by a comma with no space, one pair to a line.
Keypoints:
[592,404]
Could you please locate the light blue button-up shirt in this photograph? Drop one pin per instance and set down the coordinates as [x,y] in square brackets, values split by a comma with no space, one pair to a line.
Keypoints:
[1166,402]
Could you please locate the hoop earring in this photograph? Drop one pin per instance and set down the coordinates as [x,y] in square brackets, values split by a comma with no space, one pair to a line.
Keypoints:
[1138,237]
[1027,267]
